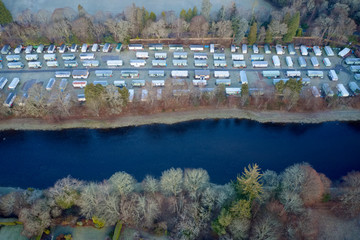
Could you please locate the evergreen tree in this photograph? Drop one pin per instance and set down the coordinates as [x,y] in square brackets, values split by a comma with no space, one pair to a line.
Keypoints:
[206,9]
[248,184]
[183,14]
[268,36]
[252,34]
[189,15]
[5,15]
[233,12]
[293,26]
[221,14]
[194,11]
[152,16]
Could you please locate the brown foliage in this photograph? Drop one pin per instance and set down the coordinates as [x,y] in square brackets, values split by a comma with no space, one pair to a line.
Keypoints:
[313,187]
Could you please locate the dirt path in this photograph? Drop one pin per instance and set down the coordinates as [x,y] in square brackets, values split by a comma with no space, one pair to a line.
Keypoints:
[175,117]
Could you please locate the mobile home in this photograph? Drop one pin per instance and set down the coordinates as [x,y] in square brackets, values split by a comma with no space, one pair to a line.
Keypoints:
[199,82]
[293,73]
[63,84]
[52,64]
[196,47]
[357,76]
[68,56]
[70,64]
[103,83]
[14,83]
[233,48]
[315,92]
[160,55]
[244,48]
[10,99]
[34,64]
[28,49]
[255,49]
[144,95]
[84,48]
[276,60]
[52,57]
[114,63]
[267,49]
[219,56]
[354,88]
[315,74]
[156,46]
[329,51]
[159,94]
[87,56]
[81,97]
[314,62]
[232,91]
[51,49]
[221,74]
[79,84]
[200,56]
[257,57]
[95,47]
[62,48]
[15,65]
[212,48]
[226,82]
[271,74]
[40,48]
[157,83]
[138,83]
[18,49]
[137,63]
[243,77]
[91,63]
[291,49]
[103,73]
[317,50]
[279,49]
[333,76]
[355,69]
[120,83]
[142,55]
[73,47]
[260,64]
[159,63]
[5,49]
[304,50]
[179,55]
[239,64]
[220,63]
[179,62]
[50,84]
[106,47]
[156,73]
[200,63]
[31,57]
[289,61]
[136,47]
[60,74]
[237,57]
[302,62]
[179,73]
[202,74]
[118,47]
[327,62]
[344,52]
[327,90]
[129,74]
[352,61]
[3,81]
[13,58]
[176,47]
[342,92]
[80,74]
[131,95]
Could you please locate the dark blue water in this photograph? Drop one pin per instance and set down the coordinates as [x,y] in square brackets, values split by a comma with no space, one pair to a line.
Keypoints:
[222,147]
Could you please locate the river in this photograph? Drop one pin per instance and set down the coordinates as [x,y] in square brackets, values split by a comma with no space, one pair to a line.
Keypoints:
[222,147]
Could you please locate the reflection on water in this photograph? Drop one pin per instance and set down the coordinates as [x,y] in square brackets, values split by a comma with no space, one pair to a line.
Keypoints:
[222,147]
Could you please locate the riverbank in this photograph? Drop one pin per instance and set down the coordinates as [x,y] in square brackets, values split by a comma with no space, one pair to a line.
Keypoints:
[183,116]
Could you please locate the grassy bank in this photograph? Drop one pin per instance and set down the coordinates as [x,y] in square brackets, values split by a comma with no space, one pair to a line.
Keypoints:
[182,116]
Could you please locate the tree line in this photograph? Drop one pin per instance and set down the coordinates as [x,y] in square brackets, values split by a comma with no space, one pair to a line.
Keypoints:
[184,204]
[332,20]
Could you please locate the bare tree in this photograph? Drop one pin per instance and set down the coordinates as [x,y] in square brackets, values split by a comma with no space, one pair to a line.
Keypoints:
[195,180]
[156,29]
[199,26]
[180,26]
[123,182]
[277,28]
[172,181]
[119,29]
[350,193]
[224,29]
[206,9]
[150,185]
